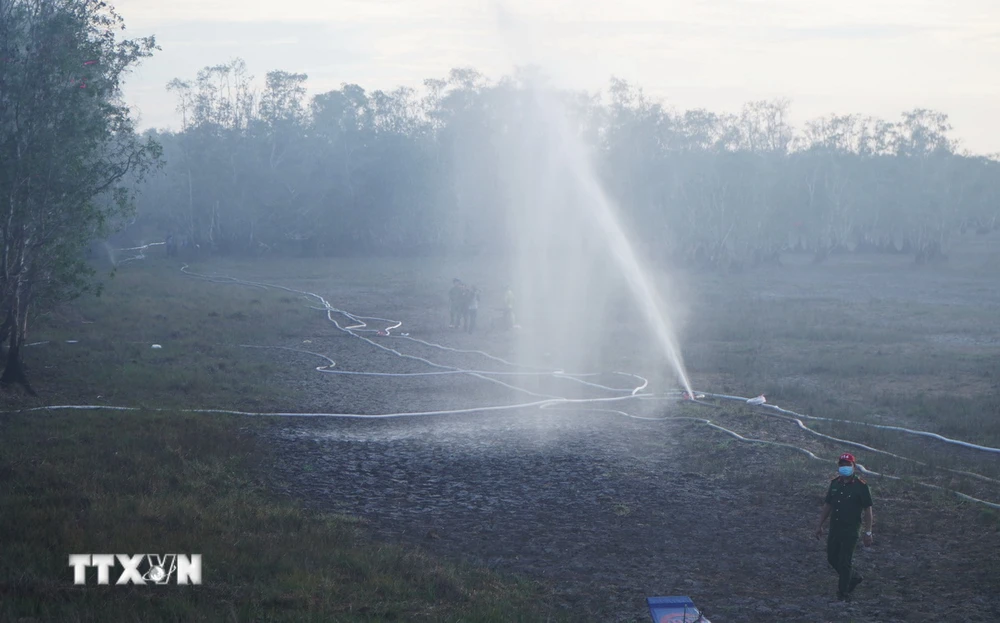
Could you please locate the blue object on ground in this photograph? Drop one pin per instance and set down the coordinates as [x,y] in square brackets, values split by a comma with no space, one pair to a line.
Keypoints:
[674,610]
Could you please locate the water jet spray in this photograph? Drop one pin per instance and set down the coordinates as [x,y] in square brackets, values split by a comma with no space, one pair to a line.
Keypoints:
[566,231]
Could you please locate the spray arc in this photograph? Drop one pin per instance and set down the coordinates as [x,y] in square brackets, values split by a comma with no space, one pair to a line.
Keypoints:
[573,254]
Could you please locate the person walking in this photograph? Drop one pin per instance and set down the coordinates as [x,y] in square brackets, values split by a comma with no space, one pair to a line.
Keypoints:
[848,504]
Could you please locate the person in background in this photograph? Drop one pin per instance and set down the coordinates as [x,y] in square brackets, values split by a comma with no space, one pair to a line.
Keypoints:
[473,309]
[455,297]
[848,502]
[508,308]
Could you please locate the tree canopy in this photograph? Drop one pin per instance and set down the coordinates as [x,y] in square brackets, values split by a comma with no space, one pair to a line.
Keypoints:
[69,151]
[406,172]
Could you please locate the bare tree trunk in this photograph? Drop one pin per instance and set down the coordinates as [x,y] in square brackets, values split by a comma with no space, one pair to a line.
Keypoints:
[14,371]
[5,329]
[191,206]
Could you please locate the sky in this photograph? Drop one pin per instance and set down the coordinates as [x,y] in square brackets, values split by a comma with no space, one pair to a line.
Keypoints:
[874,57]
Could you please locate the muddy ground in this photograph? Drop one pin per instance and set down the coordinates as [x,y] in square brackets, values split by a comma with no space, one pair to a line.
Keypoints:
[610,512]
[609,509]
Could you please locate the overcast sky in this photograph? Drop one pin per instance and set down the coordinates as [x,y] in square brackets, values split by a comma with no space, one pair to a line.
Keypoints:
[877,57]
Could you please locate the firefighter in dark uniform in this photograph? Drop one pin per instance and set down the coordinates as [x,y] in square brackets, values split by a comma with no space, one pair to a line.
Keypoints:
[848,504]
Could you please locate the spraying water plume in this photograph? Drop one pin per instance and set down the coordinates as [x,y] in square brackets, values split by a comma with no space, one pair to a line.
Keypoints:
[575,268]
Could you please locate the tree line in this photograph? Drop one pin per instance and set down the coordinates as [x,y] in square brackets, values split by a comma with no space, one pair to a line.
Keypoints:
[403,172]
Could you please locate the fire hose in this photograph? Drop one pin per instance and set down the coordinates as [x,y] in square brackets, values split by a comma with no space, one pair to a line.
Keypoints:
[357,327]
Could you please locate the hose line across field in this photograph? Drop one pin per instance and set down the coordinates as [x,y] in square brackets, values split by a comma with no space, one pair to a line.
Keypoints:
[358,327]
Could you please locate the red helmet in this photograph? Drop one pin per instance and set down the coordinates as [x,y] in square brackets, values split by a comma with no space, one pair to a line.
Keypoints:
[847,456]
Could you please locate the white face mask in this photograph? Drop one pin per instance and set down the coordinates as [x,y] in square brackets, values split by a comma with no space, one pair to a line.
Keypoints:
[846,470]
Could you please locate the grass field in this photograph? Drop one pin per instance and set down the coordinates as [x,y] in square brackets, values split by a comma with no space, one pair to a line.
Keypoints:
[152,481]
[303,519]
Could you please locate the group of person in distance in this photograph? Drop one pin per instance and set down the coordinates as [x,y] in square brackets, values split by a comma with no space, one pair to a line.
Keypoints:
[465,300]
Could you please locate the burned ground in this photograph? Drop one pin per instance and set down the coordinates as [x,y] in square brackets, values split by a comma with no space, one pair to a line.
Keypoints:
[611,509]
[605,508]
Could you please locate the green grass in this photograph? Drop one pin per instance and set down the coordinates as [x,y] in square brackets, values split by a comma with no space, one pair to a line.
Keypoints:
[173,482]
[200,326]
[179,483]
[880,360]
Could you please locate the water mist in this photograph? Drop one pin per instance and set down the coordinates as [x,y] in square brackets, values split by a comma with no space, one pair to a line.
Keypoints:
[575,269]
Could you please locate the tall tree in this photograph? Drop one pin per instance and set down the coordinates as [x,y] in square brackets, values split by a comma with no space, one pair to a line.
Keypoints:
[68,147]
